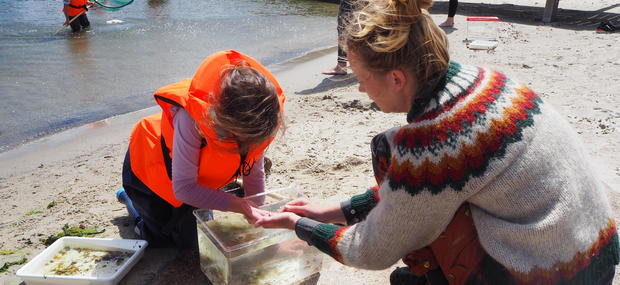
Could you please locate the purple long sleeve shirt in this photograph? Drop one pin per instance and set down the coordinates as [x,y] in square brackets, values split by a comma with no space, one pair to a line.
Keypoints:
[185,161]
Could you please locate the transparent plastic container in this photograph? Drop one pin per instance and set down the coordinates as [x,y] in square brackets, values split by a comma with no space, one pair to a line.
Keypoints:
[482,28]
[235,252]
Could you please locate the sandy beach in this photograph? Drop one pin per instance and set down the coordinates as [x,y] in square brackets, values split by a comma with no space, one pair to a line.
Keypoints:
[71,177]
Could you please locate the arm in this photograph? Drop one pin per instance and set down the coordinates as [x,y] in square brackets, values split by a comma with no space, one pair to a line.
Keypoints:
[397,226]
[358,207]
[403,220]
[65,10]
[254,182]
[348,212]
[332,213]
[185,161]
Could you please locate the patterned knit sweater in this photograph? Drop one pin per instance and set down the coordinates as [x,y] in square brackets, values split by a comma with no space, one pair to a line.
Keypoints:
[540,212]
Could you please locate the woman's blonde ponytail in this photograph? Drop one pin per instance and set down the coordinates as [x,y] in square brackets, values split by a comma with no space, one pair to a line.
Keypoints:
[388,34]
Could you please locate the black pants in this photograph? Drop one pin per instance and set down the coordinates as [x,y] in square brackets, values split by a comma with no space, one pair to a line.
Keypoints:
[404,276]
[164,225]
[79,23]
[344,13]
[452,8]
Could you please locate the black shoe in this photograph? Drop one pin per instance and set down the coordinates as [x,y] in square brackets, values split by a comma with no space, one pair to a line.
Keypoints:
[404,276]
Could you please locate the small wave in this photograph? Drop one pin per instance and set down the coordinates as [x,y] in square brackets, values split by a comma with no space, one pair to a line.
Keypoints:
[114,21]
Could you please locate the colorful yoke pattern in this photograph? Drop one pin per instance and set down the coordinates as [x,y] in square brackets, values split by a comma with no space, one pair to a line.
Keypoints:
[540,211]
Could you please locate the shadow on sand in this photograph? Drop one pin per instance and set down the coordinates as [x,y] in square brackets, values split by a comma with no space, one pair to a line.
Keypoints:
[160,266]
[329,83]
[532,15]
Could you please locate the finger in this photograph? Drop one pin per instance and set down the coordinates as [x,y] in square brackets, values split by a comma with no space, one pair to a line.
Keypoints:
[260,222]
[300,210]
[297,202]
[282,209]
[250,220]
[263,225]
[263,222]
[263,213]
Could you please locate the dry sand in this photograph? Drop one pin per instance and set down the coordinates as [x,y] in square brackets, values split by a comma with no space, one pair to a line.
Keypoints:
[325,151]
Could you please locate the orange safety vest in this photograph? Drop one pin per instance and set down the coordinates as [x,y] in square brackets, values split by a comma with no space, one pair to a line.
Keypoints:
[150,146]
[76,6]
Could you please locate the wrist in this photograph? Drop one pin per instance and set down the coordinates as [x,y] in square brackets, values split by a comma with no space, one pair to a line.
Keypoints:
[333,214]
[237,205]
[293,221]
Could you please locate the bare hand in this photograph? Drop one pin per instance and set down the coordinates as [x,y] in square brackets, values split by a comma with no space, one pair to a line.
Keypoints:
[248,209]
[252,214]
[285,220]
[304,208]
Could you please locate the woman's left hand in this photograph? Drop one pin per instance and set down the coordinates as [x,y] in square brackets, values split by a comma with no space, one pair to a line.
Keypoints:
[286,220]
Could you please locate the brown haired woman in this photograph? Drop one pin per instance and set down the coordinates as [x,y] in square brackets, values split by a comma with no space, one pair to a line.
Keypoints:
[486,180]
[212,129]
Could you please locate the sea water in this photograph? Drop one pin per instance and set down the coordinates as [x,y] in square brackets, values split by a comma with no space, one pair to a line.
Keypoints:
[49,83]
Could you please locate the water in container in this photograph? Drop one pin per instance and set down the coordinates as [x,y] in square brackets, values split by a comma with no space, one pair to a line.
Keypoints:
[232,251]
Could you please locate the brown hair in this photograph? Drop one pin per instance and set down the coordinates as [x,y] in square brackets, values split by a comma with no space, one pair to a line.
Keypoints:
[389,34]
[248,110]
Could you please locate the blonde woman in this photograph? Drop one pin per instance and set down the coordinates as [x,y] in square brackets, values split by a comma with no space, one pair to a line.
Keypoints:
[486,180]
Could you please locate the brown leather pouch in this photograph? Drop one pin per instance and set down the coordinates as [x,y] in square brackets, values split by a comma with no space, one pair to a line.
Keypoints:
[457,251]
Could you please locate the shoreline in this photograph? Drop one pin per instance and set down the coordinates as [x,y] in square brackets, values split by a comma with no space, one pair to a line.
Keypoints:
[57,82]
[93,134]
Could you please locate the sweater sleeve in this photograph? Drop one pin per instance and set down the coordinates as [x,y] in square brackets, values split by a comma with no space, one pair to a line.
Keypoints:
[395,227]
[401,222]
[357,208]
[185,161]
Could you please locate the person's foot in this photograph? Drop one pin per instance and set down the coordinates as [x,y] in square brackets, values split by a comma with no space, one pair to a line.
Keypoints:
[339,69]
[449,23]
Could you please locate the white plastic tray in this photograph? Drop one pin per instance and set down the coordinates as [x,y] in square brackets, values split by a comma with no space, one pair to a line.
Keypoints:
[482,44]
[32,274]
